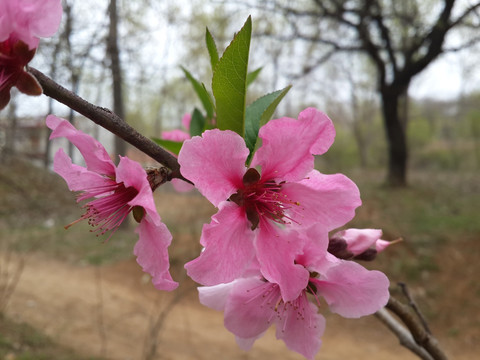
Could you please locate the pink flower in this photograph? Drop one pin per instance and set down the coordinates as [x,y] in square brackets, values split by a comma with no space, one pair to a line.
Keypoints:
[255,208]
[14,56]
[360,244]
[28,20]
[252,304]
[113,193]
[179,135]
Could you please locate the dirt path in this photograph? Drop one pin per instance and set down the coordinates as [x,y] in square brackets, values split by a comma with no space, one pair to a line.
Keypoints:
[107,312]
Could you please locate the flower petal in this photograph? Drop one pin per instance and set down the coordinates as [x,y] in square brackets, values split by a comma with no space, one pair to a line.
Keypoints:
[95,155]
[33,19]
[330,200]
[249,310]
[229,249]
[77,177]
[215,163]
[152,255]
[276,250]
[288,145]
[133,175]
[175,135]
[181,186]
[301,327]
[359,240]
[215,297]
[353,291]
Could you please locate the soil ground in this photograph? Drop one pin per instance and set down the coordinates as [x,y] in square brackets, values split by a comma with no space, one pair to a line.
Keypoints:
[112,312]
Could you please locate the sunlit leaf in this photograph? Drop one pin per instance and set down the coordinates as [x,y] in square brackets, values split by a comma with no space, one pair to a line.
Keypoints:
[253,75]
[259,113]
[202,93]
[229,83]
[197,124]
[172,146]
[212,49]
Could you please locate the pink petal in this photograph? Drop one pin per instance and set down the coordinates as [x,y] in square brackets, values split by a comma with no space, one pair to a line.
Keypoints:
[215,297]
[229,249]
[359,240]
[133,175]
[288,145]
[186,120]
[152,255]
[33,19]
[77,177]
[315,249]
[175,135]
[215,163]
[95,155]
[381,245]
[301,327]
[330,200]
[249,310]
[181,186]
[353,291]
[246,344]
[276,250]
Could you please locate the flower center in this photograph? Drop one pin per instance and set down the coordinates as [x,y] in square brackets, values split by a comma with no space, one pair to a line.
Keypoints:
[109,208]
[263,199]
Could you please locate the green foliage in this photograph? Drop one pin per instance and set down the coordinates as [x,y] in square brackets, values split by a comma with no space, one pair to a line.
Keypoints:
[197,124]
[202,93]
[173,146]
[229,83]
[252,76]
[212,49]
[259,113]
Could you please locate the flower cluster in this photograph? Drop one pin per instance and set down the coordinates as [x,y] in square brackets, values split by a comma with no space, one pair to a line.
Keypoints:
[265,259]
[22,23]
[113,193]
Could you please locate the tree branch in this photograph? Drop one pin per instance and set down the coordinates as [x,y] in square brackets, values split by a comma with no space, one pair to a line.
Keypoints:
[416,328]
[108,120]
[405,337]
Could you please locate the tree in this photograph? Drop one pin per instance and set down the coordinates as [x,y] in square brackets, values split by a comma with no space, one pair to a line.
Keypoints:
[400,38]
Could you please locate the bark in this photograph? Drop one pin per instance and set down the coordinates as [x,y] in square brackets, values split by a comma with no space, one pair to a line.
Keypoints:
[116,71]
[396,136]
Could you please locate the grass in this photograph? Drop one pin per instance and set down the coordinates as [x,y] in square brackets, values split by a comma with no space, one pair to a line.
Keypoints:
[437,216]
[20,341]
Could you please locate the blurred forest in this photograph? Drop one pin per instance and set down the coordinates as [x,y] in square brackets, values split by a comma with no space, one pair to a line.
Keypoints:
[343,57]
[156,38]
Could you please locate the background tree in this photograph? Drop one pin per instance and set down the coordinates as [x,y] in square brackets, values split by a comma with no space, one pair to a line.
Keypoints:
[399,38]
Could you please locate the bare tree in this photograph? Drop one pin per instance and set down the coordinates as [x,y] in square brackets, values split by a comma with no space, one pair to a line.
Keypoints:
[116,71]
[400,38]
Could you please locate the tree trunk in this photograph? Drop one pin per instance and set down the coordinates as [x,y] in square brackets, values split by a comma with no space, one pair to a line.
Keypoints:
[396,136]
[116,70]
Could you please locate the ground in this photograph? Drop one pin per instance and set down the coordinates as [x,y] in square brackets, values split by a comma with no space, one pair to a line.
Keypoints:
[92,297]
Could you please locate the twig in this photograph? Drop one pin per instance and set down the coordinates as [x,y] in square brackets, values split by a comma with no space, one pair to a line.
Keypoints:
[108,120]
[420,335]
[414,306]
[405,337]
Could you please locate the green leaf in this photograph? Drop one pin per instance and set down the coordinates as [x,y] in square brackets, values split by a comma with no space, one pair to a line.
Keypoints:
[212,49]
[197,124]
[201,92]
[229,83]
[259,113]
[253,75]
[172,146]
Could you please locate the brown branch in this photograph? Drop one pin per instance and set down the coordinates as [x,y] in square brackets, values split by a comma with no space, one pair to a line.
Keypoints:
[414,306]
[416,328]
[404,336]
[108,120]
